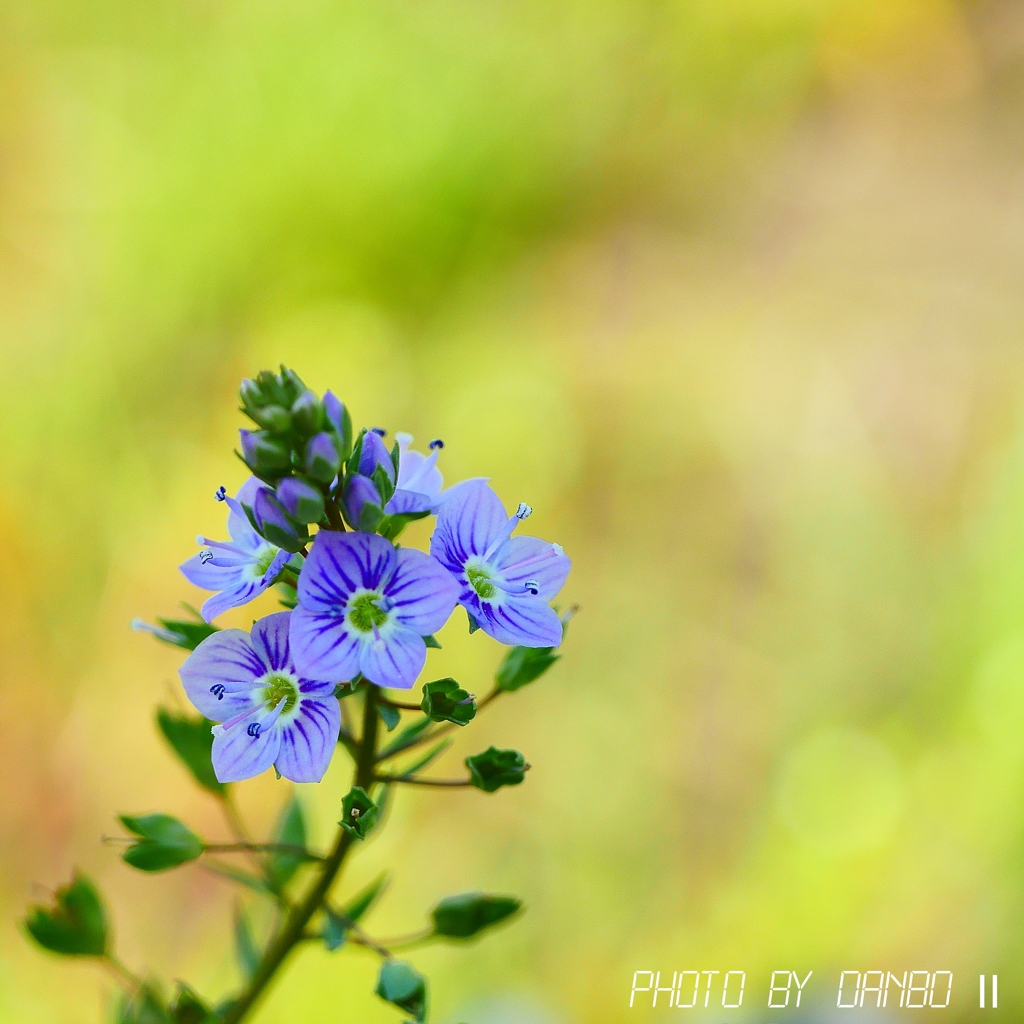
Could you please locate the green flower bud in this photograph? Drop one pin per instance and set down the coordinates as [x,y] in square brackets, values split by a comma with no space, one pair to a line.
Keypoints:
[496,768]
[308,414]
[273,418]
[445,701]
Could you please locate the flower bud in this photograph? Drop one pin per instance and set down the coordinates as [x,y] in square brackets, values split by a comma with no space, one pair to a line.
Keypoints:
[339,421]
[359,492]
[250,395]
[322,458]
[307,414]
[375,453]
[273,522]
[263,454]
[274,418]
[302,501]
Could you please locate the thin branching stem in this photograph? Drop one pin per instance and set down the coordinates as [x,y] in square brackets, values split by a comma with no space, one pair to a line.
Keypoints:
[415,780]
[290,849]
[441,730]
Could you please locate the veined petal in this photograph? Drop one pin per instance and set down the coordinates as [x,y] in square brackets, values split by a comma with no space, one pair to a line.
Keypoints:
[341,563]
[270,640]
[395,661]
[224,659]
[237,756]
[456,490]
[408,501]
[423,592]
[521,621]
[309,739]
[467,525]
[203,573]
[418,472]
[239,526]
[530,559]
[322,647]
[233,597]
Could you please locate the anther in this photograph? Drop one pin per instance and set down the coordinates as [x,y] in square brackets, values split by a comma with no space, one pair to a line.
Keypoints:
[379,431]
[355,812]
[254,730]
[205,556]
[221,493]
[533,587]
[436,443]
[218,691]
[523,511]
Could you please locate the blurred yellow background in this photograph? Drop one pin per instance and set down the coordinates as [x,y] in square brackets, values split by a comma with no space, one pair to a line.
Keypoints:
[730,291]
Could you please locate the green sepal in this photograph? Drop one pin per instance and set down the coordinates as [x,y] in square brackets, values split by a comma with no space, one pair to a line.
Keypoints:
[396,457]
[445,701]
[431,641]
[469,913]
[343,690]
[389,716]
[428,758]
[473,624]
[77,923]
[401,984]
[524,664]
[290,542]
[384,484]
[410,732]
[164,842]
[291,830]
[371,516]
[246,950]
[273,418]
[352,466]
[345,437]
[495,768]
[188,1008]
[391,526]
[289,596]
[192,740]
[359,823]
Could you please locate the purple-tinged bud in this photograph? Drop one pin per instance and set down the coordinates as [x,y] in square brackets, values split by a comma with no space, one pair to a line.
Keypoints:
[263,454]
[302,501]
[250,394]
[339,421]
[375,453]
[273,522]
[322,458]
[359,492]
[307,414]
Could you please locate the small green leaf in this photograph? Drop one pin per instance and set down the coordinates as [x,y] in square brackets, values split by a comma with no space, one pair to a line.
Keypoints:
[401,984]
[188,1008]
[144,1007]
[165,842]
[352,466]
[192,741]
[389,716]
[431,641]
[358,812]
[335,930]
[463,916]
[365,898]
[496,768]
[428,758]
[233,874]
[246,950]
[524,664]
[288,595]
[445,701]
[186,633]
[291,830]
[404,738]
[76,925]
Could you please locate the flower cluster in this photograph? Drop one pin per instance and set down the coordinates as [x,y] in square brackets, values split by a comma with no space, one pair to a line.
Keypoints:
[362,607]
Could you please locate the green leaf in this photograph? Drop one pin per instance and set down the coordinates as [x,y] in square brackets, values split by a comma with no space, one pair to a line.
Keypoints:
[431,641]
[192,740]
[291,830]
[352,466]
[524,664]
[188,1008]
[335,930]
[76,925]
[428,758]
[358,812]
[389,716]
[233,874]
[445,701]
[289,596]
[365,898]
[144,1007]
[337,925]
[404,738]
[246,950]
[465,915]
[401,984]
[165,842]
[186,633]
[496,768]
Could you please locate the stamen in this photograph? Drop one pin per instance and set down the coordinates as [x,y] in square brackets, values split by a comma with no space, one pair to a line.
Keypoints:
[218,691]
[379,431]
[205,556]
[524,511]
[355,812]
[533,587]
[254,730]
[221,493]
[436,443]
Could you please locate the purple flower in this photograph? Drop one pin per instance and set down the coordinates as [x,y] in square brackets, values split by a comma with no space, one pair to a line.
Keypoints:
[239,570]
[506,581]
[365,606]
[269,714]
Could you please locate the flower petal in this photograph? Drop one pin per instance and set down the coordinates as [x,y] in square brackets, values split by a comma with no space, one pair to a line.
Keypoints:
[403,501]
[203,573]
[521,621]
[456,490]
[233,597]
[227,659]
[536,560]
[270,640]
[308,741]
[237,756]
[340,563]
[467,524]
[322,647]
[424,592]
[418,472]
[394,661]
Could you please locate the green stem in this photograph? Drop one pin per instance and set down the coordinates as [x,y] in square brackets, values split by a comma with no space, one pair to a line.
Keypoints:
[433,734]
[416,781]
[286,848]
[295,924]
[122,973]
[333,515]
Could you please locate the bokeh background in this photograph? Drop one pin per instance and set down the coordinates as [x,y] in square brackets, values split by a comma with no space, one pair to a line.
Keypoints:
[730,291]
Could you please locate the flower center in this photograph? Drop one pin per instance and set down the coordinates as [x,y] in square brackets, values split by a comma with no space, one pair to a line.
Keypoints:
[264,557]
[364,612]
[279,686]
[480,581]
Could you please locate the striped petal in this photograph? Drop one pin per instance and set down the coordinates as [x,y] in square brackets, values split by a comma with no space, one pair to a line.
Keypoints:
[467,525]
[424,592]
[237,755]
[322,647]
[340,563]
[520,621]
[395,661]
[225,659]
[270,640]
[308,740]
[530,559]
